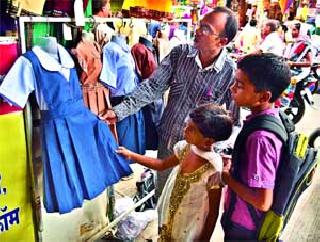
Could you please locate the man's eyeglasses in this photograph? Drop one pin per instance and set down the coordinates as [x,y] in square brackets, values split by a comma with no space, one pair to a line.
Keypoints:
[206,30]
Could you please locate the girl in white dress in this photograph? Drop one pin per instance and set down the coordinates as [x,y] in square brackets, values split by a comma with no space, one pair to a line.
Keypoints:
[189,205]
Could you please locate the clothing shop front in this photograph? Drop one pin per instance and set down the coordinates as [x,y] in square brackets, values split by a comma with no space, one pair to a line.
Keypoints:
[62,66]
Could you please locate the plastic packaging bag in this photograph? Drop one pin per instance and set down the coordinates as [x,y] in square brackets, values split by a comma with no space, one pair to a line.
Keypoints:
[132,225]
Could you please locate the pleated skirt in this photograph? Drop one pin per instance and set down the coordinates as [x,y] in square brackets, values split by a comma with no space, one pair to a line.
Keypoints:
[79,157]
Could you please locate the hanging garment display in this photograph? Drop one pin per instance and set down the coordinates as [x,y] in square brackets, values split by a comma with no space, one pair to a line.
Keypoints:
[103,34]
[95,95]
[144,57]
[118,73]
[9,50]
[78,150]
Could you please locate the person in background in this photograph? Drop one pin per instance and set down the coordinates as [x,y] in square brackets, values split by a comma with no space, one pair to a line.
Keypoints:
[249,37]
[300,49]
[196,74]
[101,8]
[302,11]
[251,12]
[189,206]
[271,40]
[252,176]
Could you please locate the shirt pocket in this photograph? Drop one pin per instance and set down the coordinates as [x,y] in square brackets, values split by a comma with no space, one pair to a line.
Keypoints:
[212,95]
[176,86]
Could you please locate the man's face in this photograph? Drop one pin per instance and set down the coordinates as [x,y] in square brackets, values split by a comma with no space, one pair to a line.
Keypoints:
[105,9]
[210,32]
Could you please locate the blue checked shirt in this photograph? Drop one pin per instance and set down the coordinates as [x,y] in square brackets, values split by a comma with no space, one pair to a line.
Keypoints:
[190,85]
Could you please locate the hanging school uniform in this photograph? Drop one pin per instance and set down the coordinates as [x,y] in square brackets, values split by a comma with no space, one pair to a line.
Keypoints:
[78,150]
[95,95]
[144,57]
[118,73]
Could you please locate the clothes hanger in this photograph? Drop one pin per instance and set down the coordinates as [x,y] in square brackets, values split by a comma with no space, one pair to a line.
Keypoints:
[131,23]
[120,27]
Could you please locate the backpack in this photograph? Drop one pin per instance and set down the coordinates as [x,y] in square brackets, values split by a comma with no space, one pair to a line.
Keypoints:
[293,176]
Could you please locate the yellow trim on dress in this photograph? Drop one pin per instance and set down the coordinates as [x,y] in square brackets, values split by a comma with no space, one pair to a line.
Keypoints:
[180,188]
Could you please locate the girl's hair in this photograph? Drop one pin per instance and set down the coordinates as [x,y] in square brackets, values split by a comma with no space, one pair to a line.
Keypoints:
[267,72]
[213,121]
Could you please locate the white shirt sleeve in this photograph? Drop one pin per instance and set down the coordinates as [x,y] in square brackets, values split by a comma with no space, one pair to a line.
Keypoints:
[266,45]
[272,44]
[109,70]
[18,83]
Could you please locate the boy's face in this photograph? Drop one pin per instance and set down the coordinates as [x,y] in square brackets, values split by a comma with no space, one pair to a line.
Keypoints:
[243,92]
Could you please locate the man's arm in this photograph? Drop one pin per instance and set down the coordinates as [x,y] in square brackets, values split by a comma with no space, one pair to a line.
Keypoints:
[150,90]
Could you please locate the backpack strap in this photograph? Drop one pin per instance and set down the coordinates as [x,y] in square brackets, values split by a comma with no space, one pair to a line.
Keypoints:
[263,122]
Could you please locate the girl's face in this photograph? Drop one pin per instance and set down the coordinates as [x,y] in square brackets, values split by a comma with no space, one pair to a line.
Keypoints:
[243,92]
[294,32]
[192,134]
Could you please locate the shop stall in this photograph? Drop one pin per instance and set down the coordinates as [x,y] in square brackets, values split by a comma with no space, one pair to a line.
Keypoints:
[26,209]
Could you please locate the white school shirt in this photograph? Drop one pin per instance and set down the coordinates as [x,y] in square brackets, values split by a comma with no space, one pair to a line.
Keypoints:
[21,80]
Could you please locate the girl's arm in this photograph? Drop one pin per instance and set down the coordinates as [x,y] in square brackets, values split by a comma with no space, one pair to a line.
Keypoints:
[210,223]
[260,198]
[153,163]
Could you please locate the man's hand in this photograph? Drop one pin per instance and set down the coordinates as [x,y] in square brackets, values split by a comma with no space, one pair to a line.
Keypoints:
[109,116]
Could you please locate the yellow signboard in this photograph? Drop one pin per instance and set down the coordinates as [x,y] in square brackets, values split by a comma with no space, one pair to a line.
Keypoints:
[16,218]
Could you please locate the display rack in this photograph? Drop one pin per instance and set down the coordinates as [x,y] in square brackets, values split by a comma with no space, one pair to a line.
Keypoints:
[28,114]
[23,20]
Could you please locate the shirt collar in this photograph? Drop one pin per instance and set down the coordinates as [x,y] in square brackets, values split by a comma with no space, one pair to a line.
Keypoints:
[121,42]
[216,65]
[50,63]
[269,111]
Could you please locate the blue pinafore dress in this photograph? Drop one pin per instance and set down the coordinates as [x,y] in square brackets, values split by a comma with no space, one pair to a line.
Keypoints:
[79,159]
